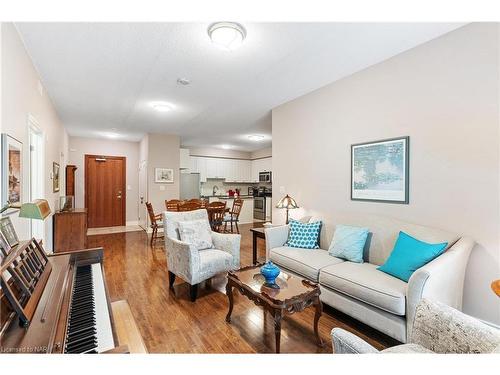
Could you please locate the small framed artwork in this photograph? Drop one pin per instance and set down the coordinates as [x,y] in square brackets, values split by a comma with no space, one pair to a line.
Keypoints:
[55,177]
[164,175]
[380,171]
[12,158]
[4,246]
[8,231]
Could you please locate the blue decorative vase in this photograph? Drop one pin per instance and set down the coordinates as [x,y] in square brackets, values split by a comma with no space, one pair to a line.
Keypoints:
[270,272]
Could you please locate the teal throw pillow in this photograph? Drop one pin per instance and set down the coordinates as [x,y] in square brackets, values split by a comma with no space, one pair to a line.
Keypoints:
[348,243]
[409,254]
[304,235]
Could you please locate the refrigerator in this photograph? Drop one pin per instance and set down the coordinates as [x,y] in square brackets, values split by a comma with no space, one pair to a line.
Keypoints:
[189,185]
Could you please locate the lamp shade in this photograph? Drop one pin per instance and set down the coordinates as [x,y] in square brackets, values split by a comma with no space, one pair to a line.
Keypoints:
[287,202]
[38,209]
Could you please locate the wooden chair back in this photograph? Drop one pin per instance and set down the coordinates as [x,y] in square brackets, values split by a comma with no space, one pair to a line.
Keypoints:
[216,212]
[172,204]
[151,213]
[237,205]
[189,206]
[202,202]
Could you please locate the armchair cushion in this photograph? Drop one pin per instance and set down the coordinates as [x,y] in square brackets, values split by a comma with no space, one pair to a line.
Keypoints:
[196,232]
[407,349]
[213,261]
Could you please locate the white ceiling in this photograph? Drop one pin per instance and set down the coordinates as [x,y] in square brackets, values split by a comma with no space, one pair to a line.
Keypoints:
[102,76]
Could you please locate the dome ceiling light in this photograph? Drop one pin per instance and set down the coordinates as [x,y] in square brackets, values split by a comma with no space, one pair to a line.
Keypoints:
[227,36]
[162,106]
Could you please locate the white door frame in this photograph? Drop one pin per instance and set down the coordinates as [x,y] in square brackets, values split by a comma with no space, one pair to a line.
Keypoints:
[36,175]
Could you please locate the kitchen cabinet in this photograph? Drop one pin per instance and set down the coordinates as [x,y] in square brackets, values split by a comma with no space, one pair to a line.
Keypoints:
[260,165]
[185,162]
[231,170]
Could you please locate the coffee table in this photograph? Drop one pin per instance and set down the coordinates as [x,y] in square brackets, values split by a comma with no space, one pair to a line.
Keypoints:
[294,295]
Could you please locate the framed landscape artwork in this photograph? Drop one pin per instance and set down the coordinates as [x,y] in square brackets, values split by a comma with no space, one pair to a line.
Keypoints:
[55,177]
[11,169]
[380,171]
[164,175]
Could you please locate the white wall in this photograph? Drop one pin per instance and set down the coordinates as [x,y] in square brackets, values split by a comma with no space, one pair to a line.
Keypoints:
[444,95]
[81,146]
[163,152]
[20,97]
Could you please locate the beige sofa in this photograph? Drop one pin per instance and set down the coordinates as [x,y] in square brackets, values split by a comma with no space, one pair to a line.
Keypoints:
[367,294]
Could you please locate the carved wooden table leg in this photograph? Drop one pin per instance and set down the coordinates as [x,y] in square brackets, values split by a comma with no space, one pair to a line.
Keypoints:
[319,309]
[229,293]
[278,315]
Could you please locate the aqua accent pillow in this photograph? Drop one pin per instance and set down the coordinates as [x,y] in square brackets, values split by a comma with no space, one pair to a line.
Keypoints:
[304,235]
[409,254]
[348,243]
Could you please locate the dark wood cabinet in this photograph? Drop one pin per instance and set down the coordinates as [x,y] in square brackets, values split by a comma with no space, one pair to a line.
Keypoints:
[70,230]
[70,179]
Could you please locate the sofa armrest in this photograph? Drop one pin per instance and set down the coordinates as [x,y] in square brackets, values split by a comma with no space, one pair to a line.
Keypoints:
[443,329]
[183,259]
[440,280]
[275,237]
[345,342]
[229,243]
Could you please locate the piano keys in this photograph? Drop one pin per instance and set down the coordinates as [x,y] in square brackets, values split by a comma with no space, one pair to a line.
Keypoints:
[70,314]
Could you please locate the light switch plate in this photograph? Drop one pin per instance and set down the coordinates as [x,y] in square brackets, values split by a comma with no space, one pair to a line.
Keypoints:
[162,187]
[129,187]
[282,190]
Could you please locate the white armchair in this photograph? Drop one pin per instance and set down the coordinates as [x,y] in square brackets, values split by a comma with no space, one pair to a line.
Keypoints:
[193,265]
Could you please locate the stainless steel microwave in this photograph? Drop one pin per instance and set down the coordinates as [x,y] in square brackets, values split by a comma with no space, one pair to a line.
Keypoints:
[265,177]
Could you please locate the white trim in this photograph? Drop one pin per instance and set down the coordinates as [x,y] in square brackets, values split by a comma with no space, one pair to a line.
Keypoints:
[489,323]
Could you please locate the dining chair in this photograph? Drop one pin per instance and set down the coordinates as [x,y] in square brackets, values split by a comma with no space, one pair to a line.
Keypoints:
[172,204]
[216,212]
[233,216]
[156,222]
[202,202]
[189,206]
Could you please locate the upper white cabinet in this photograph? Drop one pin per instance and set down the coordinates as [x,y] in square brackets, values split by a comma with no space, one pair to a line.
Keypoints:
[231,170]
[261,165]
[185,162]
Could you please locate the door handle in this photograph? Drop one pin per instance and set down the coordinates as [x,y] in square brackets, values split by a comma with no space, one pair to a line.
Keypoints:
[119,196]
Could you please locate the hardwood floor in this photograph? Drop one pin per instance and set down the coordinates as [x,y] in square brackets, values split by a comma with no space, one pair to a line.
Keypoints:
[173,324]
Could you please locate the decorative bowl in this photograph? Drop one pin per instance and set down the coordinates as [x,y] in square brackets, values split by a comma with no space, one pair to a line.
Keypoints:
[270,272]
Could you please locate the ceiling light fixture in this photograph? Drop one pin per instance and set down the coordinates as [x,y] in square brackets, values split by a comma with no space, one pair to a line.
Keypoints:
[256,137]
[183,81]
[227,35]
[162,106]
[226,147]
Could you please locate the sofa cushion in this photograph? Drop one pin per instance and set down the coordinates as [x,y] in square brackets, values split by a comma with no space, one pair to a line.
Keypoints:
[304,235]
[364,282]
[305,262]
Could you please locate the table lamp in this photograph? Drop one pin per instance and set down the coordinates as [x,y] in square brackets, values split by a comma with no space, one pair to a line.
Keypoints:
[288,203]
[38,209]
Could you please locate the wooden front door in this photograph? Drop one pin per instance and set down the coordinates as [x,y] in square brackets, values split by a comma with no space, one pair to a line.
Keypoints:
[105,190]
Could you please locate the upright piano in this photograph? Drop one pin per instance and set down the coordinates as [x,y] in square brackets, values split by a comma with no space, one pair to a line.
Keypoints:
[55,303]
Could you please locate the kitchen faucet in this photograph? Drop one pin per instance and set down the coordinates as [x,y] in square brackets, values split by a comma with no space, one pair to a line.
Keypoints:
[214,189]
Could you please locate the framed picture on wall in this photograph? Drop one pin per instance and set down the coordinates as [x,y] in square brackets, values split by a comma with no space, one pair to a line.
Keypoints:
[12,152]
[380,171]
[4,246]
[8,231]
[55,177]
[164,175]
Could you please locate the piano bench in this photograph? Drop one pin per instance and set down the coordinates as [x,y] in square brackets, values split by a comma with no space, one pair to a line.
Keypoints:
[126,327]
